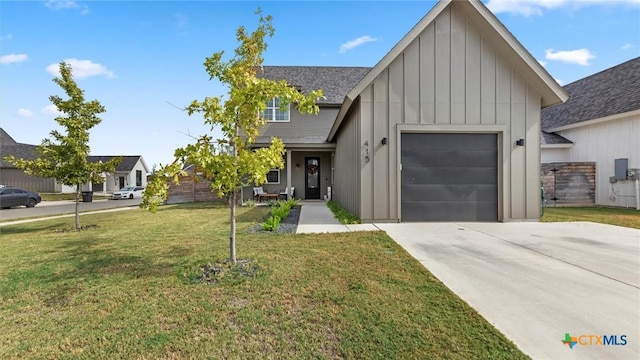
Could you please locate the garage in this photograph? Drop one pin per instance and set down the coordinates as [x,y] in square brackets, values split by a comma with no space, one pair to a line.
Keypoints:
[449,177]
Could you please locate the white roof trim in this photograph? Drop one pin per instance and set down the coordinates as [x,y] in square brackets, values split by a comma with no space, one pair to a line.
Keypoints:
[554,93]
[597,121]
[556,146]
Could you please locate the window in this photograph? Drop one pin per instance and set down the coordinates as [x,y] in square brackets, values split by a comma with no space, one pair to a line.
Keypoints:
[273,113]
[273,177]
[138,177]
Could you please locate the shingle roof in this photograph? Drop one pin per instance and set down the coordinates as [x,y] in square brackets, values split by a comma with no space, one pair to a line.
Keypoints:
[553,139]
[8,146]
[6,139]
[334,81]
[609,92]
[126,164]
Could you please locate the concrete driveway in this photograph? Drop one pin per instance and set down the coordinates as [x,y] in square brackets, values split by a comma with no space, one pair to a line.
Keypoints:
[536,282]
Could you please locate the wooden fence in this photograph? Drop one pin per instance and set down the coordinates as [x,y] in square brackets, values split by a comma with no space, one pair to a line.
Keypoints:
[192,188]
[569,183]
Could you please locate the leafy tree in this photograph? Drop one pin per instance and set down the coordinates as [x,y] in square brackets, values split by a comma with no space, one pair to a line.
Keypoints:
[64,157]
[231,161]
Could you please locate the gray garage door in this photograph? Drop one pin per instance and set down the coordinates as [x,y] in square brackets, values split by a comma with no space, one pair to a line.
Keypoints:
[449,177]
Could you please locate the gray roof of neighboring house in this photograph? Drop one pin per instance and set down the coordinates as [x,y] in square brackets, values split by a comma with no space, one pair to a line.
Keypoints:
[335,81]
[8,146]
[126,164]
[553,139]
[609,92]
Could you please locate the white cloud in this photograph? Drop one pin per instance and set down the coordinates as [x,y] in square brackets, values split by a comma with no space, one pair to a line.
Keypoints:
[542,62]
[537,7]
[51,110]
[627,46]
[25,112]
[560,82]
[580,56]
[181,20]
[67,4]
[13,58]
[82,69]
[352,44]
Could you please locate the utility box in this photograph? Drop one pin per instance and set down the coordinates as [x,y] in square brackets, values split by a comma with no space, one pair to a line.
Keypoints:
[621,169]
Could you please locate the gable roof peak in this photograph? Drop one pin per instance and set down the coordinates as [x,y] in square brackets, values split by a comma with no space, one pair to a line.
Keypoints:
[488,24]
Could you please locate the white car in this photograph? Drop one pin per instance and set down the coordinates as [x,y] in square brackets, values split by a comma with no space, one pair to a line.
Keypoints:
[129,192]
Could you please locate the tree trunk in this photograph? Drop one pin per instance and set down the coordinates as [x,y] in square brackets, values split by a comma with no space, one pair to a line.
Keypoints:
[77,204]
[232,238]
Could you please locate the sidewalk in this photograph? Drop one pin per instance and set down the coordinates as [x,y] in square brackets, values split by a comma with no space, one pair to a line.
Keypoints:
[316,217]
[62,202]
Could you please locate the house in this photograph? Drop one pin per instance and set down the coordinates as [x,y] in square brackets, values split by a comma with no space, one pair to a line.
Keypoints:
[445,127]
[599,124]
[10,175]
[132,170]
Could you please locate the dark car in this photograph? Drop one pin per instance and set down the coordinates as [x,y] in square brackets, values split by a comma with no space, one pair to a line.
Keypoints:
[10,197]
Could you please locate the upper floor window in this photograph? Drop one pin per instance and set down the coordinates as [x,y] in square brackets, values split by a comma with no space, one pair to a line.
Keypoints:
[273,113]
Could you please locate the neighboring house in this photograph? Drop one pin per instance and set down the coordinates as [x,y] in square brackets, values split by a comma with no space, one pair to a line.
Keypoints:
[10,175]
[600,123]
[446,127]
[132,170]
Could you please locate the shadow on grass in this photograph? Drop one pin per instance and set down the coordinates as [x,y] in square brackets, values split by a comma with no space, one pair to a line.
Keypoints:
[193,206]
[32,227]
[89,259]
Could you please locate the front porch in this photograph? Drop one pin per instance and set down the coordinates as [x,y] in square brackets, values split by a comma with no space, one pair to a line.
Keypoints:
[309,171]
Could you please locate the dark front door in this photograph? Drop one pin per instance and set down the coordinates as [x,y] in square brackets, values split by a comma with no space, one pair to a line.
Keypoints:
[312,178]
[121,182]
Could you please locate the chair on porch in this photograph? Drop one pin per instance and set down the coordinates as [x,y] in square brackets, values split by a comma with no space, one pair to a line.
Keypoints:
[283,193]
[257,191]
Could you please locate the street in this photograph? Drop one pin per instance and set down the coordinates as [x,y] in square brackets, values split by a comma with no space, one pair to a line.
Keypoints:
[47,208]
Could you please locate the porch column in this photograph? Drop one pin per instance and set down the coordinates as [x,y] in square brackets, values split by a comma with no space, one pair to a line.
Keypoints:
[288,189]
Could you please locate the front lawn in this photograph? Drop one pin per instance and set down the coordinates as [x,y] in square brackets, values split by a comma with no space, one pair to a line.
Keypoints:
[124,289]
[612,216]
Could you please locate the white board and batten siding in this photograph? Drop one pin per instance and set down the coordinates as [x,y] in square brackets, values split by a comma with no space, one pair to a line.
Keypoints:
[450,79]
[602,143]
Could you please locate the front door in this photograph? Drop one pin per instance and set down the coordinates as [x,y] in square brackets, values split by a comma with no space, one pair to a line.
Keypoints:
[312,178]
[121,182]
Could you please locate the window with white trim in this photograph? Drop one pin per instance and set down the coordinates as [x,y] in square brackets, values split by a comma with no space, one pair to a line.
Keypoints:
[273,176]
[273,113]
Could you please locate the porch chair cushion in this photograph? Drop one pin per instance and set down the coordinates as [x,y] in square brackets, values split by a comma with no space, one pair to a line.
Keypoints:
[257,191]
[284,191]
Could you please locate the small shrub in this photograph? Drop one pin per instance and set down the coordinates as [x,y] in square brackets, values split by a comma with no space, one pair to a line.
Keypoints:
[250,203]
[282,211]
[272,203]
[271,224]
[343,215]
[292,202]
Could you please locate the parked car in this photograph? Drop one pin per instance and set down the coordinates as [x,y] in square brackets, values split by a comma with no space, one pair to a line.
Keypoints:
[129,192]
[10,197]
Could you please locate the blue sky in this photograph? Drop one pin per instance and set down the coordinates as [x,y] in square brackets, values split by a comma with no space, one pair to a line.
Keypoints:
[142,59]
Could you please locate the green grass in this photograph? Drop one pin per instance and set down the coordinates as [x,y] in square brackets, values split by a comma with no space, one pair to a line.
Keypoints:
[343,215]
[61,197]
[613,216]
[123,290]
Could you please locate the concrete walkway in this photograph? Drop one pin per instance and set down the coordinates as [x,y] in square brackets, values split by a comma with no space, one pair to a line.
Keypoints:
[316,217]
